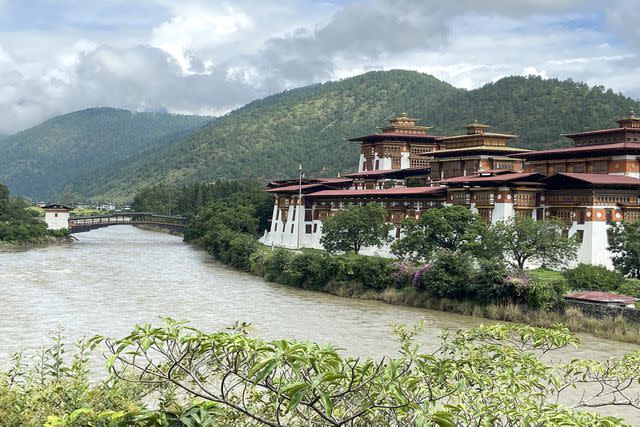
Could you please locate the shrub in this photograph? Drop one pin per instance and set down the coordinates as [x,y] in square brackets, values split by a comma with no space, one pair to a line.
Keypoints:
[593,277]
[403,272]
[372,271]
[239,250]
[630,287]
[489,282]
[258,262]
[309,270]
[449,277]
[546,295]
[276,264]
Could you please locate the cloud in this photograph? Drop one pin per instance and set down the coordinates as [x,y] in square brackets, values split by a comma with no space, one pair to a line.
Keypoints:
[198,56]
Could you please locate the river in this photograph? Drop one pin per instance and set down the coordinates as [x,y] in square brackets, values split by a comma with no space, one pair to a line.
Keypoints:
[115,277]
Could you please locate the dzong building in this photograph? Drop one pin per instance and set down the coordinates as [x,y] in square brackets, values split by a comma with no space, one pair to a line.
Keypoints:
[590,185]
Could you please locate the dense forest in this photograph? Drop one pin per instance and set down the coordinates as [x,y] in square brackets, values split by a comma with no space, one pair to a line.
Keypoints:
[39,161]
[270,137]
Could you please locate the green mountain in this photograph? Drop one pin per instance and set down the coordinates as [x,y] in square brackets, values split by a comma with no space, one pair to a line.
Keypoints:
[269,138]
[40,161]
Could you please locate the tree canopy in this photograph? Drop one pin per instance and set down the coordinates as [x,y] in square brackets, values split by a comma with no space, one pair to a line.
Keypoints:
[450,228]
[17,223]
[625,246]
[40,162]
[354,227]
[176,375]
[523,239]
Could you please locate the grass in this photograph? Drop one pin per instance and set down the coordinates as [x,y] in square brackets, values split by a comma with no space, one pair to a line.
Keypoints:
[546,275]
[610,328]
[87,211]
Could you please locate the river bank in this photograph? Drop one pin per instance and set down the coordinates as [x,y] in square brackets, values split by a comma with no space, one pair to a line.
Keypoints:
[616,329]
[116,277]
[48,240]
[309,270]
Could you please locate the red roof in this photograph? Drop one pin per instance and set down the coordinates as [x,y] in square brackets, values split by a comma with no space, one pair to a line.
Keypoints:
[504,177]
[394,191]
[379,136]
[303,187]
[598,296]
[388,171]
[600,131]
[597,179]
[305,181]
[618,146]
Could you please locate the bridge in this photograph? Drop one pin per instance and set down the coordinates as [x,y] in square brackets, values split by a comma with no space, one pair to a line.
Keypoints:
[81,224]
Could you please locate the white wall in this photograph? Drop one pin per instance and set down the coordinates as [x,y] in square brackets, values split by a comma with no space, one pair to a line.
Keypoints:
[56,220]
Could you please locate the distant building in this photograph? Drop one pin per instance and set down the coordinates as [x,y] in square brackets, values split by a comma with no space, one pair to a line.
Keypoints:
[56,216]
[107,206]
[589,186]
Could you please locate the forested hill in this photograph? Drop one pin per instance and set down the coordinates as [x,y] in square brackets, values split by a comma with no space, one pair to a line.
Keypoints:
[270,137]
[39,161]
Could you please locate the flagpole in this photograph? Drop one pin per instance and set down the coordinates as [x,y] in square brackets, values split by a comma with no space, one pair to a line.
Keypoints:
[299,211]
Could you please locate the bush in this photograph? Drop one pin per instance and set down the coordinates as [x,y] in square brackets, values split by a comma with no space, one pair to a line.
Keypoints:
[546,295]
[239,250]
[276,264]
[489,282]
[372,271]
[449,277]
[593,277]
[630,287]
[402,275]
[310,270]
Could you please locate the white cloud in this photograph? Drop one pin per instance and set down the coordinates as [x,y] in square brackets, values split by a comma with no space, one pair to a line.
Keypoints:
[208,57]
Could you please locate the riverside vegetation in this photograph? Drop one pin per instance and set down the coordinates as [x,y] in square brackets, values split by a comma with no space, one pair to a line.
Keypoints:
[450,261]
[175,375]
[20,225]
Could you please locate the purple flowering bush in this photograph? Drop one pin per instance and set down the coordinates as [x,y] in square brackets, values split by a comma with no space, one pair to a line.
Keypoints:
[403,272]
[418,275]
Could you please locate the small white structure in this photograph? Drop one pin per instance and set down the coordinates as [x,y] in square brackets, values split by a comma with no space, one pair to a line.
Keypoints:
[107,206]
[56,216]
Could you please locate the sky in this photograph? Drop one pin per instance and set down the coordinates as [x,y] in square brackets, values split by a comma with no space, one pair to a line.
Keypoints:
[209,57]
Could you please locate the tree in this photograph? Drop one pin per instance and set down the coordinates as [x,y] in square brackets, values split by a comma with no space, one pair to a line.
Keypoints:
[354,227]
[523,239]
[625,245]
[452,228]
[491,375]
[593,277]
[17,222]
[161,198]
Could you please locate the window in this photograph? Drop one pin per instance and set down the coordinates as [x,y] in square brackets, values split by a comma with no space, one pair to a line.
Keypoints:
[292,228]
[307,229]
[56,214]
[275,228]
[315,228]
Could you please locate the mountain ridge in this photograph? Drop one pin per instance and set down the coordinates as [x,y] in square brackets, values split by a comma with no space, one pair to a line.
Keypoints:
[39,161]
[269,138]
